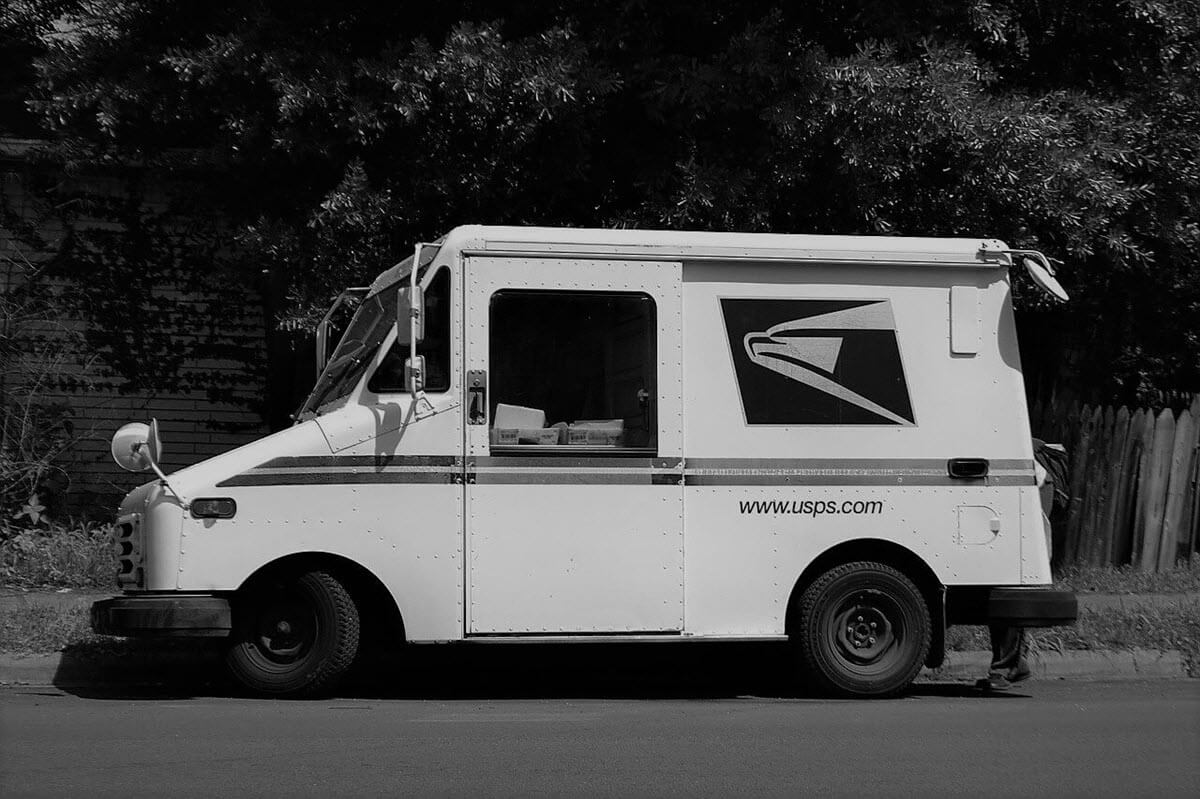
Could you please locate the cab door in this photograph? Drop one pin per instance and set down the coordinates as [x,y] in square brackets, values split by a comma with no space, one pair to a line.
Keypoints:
[574,496]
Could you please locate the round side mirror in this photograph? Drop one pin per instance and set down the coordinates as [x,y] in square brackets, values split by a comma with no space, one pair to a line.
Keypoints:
[136,446]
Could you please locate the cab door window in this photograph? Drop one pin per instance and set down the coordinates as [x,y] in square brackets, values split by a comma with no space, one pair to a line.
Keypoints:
[572,370]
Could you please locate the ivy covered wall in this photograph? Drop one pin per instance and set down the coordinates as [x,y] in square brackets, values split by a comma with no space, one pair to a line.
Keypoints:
[123,300]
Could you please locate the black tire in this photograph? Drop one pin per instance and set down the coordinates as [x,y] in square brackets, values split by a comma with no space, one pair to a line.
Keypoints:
[294,635]
[863,630]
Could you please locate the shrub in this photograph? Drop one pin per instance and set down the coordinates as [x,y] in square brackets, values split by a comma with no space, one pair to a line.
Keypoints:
[80,555]
[41,359]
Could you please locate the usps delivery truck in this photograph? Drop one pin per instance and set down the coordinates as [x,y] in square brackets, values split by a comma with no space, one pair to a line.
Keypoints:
[530,434]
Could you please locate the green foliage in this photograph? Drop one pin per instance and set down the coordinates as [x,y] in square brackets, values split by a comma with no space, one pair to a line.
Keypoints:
[166,306]
[334,137]
[79,555]
[39,357]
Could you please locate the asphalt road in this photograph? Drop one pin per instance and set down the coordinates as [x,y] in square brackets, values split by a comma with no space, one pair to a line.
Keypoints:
[1053,739]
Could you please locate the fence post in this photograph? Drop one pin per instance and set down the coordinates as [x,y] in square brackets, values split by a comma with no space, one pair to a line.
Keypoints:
[1117,426]
[1191,501]
[1153,490]
[1079,493]
[1091,542]
[1139,466]
[1175,532]
[1117,456]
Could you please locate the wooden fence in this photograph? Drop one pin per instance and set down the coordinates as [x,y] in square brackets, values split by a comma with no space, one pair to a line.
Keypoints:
[1133,483]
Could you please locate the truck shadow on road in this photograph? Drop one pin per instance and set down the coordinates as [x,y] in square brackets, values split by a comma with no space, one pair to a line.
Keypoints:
[694,670]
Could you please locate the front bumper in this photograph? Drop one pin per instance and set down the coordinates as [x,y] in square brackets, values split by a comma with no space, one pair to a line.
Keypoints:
[1011,607]
[163,615]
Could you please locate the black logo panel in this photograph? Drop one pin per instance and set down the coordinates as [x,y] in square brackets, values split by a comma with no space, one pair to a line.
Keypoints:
[817,362]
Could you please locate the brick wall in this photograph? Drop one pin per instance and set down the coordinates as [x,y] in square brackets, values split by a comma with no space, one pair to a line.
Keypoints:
[196,422]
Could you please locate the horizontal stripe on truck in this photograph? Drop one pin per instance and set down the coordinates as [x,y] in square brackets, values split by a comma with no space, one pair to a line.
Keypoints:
[574,470]
[898,472]
[351,470]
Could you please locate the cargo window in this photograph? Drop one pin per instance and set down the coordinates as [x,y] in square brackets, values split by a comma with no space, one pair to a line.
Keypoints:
[572,370]
[389,377]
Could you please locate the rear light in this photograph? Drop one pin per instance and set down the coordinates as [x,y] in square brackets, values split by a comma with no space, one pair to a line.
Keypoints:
[210,508]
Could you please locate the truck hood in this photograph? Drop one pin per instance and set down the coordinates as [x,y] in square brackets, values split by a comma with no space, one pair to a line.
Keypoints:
[201,478]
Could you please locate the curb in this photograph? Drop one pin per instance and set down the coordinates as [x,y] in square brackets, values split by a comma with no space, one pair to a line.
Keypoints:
[1136,664]
[150,669]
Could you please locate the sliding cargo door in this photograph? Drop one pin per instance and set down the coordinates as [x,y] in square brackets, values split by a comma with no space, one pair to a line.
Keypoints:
[574,501]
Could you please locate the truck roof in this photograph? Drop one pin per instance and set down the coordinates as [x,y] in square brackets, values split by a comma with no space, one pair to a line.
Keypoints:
[708,246]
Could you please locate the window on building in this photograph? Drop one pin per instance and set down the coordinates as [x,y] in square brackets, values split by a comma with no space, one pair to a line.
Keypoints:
[572,369]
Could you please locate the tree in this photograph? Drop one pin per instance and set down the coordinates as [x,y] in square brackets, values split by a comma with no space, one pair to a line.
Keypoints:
[339,135]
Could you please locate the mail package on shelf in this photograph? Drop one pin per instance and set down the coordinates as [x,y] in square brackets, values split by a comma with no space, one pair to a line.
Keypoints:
[596,433]
[509,436]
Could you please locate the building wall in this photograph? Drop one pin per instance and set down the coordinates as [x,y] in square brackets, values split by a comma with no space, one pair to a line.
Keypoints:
[208,404]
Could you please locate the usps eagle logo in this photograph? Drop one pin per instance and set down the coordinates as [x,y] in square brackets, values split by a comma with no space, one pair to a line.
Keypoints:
[818,362]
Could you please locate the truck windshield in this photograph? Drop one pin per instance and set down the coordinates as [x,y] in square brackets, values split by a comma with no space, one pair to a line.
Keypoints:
[366,332]
[359,343]
[371,323]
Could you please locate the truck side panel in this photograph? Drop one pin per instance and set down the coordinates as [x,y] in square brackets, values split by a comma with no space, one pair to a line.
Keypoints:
[822,404]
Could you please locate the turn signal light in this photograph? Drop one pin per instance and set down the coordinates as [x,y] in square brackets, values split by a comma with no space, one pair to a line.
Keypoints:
[209,508]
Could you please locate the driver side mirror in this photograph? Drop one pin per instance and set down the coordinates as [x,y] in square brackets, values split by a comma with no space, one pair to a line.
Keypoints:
[410,310]
[414,374]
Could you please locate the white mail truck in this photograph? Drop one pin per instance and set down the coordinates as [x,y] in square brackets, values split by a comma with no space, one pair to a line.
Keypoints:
[530,434]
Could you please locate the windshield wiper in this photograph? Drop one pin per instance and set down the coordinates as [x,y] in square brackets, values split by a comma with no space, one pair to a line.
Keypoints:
[334,378]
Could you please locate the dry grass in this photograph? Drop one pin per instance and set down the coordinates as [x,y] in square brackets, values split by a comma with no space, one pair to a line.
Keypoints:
[38,629]
[75,556]
[1185,577]
[1168,627]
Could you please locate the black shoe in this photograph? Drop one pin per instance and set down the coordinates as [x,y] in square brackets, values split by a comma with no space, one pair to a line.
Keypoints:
[998,681]
[1019,674]
[993,682]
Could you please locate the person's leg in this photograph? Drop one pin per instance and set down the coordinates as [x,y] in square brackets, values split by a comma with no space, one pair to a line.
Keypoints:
[1008,657]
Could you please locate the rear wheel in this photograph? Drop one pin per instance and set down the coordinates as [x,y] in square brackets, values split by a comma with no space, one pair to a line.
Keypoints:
[864,630]
[294,635]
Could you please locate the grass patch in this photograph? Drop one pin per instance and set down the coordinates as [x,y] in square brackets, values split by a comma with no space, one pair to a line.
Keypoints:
[40,629]
[67,556]
[1169,627]
[1185,577]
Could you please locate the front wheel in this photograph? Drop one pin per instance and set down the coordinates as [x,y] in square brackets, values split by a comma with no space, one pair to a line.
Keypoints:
[294,635]
[863,630]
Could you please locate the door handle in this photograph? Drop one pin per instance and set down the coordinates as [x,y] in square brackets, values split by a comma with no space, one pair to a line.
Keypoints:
[967,468]
[477,396]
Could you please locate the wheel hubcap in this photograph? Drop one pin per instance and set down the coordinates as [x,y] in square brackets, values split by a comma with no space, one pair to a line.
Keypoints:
[285,630]
[865,634]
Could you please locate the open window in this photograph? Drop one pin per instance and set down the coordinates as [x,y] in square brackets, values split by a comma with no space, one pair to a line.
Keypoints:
[572,370]
[435,346]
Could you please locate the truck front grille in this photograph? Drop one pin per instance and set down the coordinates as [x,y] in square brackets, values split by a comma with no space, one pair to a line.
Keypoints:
[130,573]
